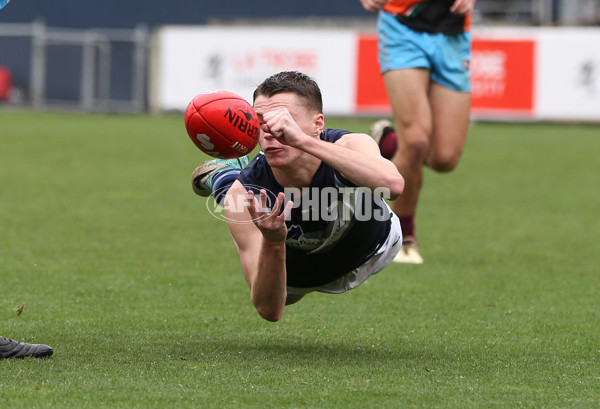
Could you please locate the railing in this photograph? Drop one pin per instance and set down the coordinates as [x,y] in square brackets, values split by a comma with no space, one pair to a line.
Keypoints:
[96,84]
[539,12]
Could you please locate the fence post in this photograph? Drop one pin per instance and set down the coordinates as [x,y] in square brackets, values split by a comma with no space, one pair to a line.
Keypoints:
[104,67]
[38,64]
[140,66]
[543,10]
[88,64]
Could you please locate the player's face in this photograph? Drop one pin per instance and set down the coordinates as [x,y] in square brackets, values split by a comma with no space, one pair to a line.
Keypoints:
[278,153]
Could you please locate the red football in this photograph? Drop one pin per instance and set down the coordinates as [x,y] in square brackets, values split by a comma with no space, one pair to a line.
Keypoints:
[222,124]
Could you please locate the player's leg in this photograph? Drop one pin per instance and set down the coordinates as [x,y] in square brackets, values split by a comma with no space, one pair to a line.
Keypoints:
[405,64]
[408,91]
[451,115]
[384,134]
[450,97]
[14,349]
[216,176]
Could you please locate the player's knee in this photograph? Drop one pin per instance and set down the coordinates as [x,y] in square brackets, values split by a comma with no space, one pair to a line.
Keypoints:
[443,162]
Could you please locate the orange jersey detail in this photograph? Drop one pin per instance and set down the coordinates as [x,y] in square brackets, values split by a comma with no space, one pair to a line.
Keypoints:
[400,6]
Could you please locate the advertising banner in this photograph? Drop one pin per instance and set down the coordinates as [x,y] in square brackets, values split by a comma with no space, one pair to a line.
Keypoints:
[371,97]
[569,74]
[199,59]
[502,78]
[516,73]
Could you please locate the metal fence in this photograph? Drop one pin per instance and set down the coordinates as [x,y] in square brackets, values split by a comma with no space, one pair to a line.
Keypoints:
[88,70]
[539,12]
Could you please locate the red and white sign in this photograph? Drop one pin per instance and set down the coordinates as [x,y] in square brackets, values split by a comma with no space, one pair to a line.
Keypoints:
[502,78]
[371,97]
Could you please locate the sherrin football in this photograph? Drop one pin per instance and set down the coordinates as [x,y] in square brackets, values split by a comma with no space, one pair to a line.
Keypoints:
[222,124]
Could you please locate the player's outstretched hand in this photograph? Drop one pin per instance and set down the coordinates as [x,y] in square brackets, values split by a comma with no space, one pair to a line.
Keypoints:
[270,223]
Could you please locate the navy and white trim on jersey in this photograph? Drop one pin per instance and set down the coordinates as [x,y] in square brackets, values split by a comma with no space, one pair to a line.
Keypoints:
[327,237]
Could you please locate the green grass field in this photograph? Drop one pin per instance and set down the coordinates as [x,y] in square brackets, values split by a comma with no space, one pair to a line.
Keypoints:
[137,287]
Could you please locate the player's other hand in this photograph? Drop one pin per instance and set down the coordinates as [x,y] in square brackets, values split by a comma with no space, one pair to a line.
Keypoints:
[462,7]
[270,223]
[373,5]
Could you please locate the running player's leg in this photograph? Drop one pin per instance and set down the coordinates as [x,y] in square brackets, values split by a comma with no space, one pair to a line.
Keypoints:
[451,115]
[450,98]
[407,91]
[216,176]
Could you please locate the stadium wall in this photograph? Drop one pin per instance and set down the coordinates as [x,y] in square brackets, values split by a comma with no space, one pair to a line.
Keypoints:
[517,73]
[128,14]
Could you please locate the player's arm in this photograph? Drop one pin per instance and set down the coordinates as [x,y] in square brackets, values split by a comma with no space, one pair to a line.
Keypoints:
[355,155]
[259,236]
[358,158]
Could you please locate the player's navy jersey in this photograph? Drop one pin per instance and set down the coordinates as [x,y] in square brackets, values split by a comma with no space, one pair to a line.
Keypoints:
[334,226]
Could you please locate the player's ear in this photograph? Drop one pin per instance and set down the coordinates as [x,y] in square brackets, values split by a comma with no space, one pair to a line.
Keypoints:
[318,123]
